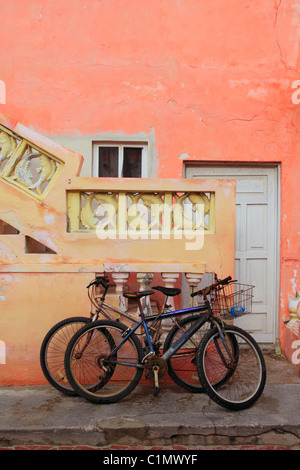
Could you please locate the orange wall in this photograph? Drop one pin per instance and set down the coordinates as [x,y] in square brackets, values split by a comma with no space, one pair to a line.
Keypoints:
[213,80]
[24,324]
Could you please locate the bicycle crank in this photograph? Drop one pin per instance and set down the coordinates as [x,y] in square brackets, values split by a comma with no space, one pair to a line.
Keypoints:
[155,368]
[156,384]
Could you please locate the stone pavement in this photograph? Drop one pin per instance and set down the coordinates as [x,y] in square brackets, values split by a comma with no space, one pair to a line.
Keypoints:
[40,417]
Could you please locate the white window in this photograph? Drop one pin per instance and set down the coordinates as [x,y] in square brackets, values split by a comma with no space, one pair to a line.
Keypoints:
[120,160]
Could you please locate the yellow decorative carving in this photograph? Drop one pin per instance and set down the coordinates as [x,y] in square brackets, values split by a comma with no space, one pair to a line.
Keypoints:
[190,210]
[23,175]
[25,165]
[109,204]
[73,208]
[153,210]
[7,144]
[89,218]
[201,204]
[137,211]
[180,217]
[46,171]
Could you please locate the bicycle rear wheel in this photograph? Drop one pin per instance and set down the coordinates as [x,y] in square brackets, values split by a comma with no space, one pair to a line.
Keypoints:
[95,371]
[52,352]
[182,365]
[242,366]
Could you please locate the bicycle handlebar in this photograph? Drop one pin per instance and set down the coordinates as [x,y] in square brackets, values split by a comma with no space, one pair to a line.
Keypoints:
[206,290]
[103,280]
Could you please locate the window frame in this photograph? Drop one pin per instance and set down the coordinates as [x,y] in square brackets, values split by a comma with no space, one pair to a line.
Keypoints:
[120,146]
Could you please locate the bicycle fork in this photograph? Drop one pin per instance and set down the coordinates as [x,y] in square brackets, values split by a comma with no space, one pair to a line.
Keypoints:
[227,364]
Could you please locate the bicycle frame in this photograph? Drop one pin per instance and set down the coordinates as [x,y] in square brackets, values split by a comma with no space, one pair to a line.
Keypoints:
[104,305]
[101,307]
[161,316]
[184,338]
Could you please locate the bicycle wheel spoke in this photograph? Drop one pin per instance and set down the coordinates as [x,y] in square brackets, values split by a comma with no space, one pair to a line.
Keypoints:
[97,372]
[233,373]
[53,351]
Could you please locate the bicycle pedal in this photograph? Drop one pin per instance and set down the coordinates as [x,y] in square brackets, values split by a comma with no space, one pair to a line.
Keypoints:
[156,388]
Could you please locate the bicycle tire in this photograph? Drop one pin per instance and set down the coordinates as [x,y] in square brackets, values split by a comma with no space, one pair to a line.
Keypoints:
[52,352]
[117,379]
[247,370]
[182,365]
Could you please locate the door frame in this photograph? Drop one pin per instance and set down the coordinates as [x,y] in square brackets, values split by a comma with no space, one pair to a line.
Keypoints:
[277,214]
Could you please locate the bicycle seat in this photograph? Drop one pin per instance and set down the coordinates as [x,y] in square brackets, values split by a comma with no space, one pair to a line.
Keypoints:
[137,295]
[170,291]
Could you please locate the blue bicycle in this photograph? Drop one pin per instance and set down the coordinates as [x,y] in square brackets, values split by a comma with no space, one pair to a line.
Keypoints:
[105,360]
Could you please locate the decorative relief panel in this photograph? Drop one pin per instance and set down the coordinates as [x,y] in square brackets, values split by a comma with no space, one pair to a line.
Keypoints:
[24,165]
[111,213]
[8,144]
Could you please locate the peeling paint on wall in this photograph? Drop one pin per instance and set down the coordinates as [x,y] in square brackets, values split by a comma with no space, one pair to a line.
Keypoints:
[49,219]
[294,281]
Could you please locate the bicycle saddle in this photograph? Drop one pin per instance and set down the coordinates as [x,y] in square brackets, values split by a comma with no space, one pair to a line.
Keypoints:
[170,291]
[137,295]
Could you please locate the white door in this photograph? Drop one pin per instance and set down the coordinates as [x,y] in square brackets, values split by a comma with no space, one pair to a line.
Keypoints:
[256,245]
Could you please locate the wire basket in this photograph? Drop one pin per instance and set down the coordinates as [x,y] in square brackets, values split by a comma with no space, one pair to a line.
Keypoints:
[233,300]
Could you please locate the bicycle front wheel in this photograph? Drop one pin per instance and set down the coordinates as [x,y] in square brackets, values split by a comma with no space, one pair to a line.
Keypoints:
[52,352]
[239,359]
[100,366]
